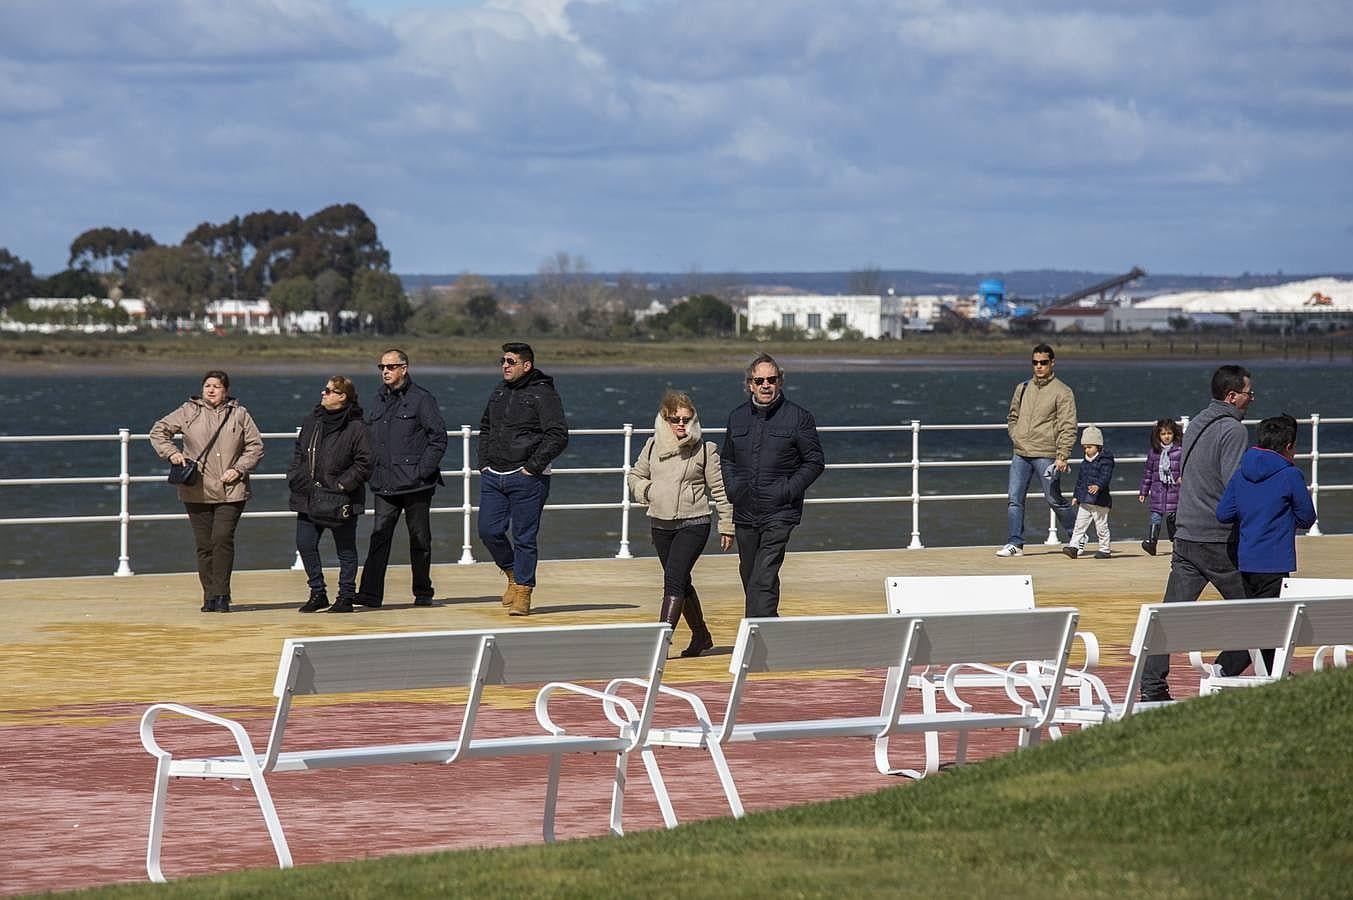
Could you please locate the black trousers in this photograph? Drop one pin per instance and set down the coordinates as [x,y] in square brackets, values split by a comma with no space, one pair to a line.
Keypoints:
[679,549]
[1193,566]
[761,552]
[214,532]
[418,521]
[1257,585]
[308,534]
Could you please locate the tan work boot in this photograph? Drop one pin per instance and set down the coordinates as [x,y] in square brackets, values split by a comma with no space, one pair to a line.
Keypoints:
[511,583]
[521,600]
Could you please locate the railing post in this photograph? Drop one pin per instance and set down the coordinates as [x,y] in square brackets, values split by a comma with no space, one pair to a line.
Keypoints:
[466,554]
[124,517]
[624,551]
[915,486]
[1315,473]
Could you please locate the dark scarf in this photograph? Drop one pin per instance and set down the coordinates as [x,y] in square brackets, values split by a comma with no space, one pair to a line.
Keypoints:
[332,420]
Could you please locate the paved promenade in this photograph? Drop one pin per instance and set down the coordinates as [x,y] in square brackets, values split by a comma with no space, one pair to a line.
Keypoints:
[80,658]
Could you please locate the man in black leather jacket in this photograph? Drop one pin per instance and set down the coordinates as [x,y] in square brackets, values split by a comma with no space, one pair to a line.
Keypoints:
[521,432]
[408,438]
[771,454]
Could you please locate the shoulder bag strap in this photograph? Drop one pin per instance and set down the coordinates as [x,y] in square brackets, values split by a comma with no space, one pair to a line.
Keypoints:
[1185,457]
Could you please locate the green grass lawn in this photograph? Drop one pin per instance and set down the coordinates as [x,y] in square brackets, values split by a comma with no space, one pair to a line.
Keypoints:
[1242,795]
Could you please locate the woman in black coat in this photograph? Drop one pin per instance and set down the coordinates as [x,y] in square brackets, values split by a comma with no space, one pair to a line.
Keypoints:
[333,452]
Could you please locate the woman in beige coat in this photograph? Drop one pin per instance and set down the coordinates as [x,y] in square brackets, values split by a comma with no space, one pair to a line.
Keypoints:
[215,500]
[677,474]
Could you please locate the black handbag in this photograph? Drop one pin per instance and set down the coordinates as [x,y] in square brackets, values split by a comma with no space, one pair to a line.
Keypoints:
[187,471]
[183,473]
[328,507]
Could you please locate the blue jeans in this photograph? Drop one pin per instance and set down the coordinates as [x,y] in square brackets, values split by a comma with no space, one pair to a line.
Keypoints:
[345,541]
[513,501]
[1022,470]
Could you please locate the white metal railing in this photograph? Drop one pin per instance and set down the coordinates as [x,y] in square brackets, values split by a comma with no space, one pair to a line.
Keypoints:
[124,479]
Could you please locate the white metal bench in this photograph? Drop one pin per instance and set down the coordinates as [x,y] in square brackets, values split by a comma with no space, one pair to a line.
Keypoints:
[1192,627]
[553,657]
[921,594]
[895,643]
[1322,587]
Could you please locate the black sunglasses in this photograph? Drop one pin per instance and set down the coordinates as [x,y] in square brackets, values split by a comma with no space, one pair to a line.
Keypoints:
[328,390]
[766,379]
[390,367]
[1041,362]
[509,361]
[680,420]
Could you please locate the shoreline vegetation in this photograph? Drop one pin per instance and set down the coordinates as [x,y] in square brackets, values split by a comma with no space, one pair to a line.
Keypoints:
[188,352]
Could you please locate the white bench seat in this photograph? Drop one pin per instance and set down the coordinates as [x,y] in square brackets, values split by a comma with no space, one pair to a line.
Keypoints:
[555,658]
[866,644]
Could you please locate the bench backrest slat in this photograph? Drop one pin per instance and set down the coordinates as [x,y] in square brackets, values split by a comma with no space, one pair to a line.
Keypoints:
[1210,625]
[819,642]
[994,636]
[1325,620]
[911,594]
[442,659]
[1316,587]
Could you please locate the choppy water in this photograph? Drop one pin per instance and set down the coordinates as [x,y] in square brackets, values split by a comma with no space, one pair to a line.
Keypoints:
[938,393]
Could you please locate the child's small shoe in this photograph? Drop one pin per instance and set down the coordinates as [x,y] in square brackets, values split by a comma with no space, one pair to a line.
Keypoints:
[1071,551]
[1103,554]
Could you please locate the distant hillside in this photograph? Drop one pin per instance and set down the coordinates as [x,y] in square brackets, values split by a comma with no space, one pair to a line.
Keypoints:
[1044,284]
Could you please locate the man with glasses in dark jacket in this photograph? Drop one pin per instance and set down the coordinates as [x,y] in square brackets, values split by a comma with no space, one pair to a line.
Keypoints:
[771,454]
[521,432]
[408,438]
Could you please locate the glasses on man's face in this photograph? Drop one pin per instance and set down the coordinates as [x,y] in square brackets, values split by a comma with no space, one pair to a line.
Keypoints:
[1041,362]
[680,420]
[759,380]
[509,361]
[1249,394]
[390,367]
[328,390]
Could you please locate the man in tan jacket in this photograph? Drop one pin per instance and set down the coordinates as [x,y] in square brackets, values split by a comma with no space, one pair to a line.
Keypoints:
[1042,426]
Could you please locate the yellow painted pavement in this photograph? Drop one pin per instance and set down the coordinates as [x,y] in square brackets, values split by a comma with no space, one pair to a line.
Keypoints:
[86,650]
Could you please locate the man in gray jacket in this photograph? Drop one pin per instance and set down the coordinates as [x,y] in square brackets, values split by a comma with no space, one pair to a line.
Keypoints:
[1205,549]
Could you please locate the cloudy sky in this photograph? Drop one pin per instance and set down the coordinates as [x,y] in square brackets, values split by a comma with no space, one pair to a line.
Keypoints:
[485,135]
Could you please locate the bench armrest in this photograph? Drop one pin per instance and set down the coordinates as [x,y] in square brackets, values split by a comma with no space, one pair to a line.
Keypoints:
[1014,680]
[154,748]
[1091,652]
[697,705]
[609,703]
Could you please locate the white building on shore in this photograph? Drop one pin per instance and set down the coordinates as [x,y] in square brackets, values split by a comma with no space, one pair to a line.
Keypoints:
[832,315]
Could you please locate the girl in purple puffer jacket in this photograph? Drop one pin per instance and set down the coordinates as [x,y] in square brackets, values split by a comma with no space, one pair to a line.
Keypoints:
[1160,480]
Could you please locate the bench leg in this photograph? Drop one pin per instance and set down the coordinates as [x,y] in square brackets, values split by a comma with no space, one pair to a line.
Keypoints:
[265,805]
[551,796]
[157,804]
[730,790]
[622,761]
[885,766]
[659,787]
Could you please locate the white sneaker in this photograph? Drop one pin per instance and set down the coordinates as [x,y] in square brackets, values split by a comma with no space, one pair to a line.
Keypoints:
[1010,550]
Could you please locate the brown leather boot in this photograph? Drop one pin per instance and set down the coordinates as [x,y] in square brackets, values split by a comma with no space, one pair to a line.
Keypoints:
[511,583]
[521,600]
[671,610]
[701,639]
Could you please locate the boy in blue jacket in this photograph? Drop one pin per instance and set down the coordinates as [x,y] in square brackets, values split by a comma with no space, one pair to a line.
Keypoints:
[1092,500]
[1267,495]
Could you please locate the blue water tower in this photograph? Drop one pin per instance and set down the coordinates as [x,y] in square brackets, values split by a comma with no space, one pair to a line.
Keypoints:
[993,296]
